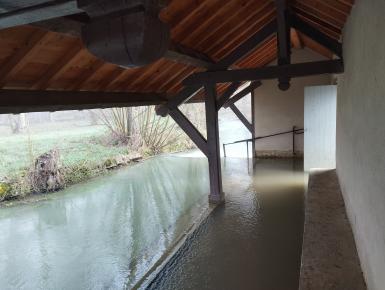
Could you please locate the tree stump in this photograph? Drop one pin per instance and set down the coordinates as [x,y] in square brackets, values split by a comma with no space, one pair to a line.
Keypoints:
[45,175]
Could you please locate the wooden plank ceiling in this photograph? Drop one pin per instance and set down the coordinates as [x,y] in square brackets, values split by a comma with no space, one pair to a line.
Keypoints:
[36,59]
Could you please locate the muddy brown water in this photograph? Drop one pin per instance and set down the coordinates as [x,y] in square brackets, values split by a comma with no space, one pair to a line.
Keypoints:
[253,241]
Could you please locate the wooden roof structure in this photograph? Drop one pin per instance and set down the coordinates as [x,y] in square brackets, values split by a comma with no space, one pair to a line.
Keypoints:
[203,32]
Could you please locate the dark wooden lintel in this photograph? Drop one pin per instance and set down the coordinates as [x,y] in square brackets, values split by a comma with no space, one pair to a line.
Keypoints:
[190,130]
[248,90]
[266,73]
[241,117]
[24,101]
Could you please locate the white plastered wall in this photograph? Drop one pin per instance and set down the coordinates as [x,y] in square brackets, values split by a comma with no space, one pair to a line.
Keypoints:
[361,135]
[277,111]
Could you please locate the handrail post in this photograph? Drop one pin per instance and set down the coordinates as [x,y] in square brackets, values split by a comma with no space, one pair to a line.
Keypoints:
[247,148]
[224,150]
[294,140]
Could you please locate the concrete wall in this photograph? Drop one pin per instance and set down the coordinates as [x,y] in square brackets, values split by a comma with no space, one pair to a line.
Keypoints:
[277,111]
[361,135]
[320,127]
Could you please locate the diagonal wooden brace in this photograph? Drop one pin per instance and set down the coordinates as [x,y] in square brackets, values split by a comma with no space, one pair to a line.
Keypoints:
[190,130]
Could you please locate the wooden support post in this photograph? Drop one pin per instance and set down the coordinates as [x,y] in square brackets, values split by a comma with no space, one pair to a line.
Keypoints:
[284,44]
[254,155]
[216,193]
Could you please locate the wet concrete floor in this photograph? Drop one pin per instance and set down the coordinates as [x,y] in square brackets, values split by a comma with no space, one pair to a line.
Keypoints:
[253,241]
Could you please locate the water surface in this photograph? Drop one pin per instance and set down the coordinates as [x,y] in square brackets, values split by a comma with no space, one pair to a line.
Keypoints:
[254,241]
[105,233]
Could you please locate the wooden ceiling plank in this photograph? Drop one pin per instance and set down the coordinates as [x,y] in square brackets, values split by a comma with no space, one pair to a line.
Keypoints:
[21,57]
[220,44]
[103,85]
[95,67]
[63,63]
[217,34]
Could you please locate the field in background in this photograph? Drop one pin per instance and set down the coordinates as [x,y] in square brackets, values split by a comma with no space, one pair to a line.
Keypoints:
[77,142]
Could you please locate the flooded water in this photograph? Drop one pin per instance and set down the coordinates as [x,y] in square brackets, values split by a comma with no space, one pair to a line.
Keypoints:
[253,241]
[105,233]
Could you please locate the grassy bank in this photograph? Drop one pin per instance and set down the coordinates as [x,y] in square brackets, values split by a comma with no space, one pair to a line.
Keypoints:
[84,153]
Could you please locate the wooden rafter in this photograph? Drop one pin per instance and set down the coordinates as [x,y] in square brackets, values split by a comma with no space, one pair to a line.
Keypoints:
[316,35]
[296,39]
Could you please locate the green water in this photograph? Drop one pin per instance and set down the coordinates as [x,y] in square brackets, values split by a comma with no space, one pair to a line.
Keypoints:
[105,233]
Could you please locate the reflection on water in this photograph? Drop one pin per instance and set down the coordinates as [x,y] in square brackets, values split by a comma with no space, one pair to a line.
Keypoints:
[254,241]
[105,233]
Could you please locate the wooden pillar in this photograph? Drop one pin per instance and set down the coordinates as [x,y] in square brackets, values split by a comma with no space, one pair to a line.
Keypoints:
[216,192]
[254,155]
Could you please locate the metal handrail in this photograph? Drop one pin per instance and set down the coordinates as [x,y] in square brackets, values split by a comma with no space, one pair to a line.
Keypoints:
[294,131]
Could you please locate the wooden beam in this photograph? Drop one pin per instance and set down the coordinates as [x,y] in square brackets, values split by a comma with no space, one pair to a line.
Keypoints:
[214,156]
[60,66]
[227,94]
[266,73]
[248,90]
[23,101]
[190,130]
[184,55]
[241,117]
[283,36]
[18,59]
[316,35]
[296,39]
[242,51]
[23,14]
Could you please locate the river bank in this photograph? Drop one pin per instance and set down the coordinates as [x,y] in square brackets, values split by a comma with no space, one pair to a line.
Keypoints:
[84,152]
